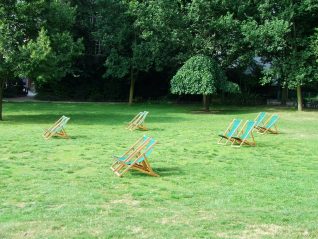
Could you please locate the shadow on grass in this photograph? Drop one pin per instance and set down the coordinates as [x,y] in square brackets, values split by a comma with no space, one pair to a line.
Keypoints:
[163,172]
[168,171]
[88,119]
[240,110]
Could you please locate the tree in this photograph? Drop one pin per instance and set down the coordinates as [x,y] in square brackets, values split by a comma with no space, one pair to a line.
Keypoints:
[178,30]
[201,75]
[291,25]
[35,41]
[126,52]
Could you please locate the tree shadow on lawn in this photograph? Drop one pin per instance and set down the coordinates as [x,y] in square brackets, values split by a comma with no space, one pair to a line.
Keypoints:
[240,110]
[260,144]
[162,171]
[87,119]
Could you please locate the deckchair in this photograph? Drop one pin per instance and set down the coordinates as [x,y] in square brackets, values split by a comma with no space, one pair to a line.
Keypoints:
[243,135]
[230,131]
[57,129]
[136,158]
[135,118]
[269,125]
[139,121]
[259,119]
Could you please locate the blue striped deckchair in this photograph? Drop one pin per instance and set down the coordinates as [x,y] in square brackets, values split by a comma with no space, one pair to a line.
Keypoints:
[136,158]
[230,131]
[243,135]
[138,122]
[259,119]
[57,129]
[269,125]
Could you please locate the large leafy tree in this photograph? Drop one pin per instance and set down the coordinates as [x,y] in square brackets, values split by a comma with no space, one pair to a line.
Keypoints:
[201,75]
[281,33]
[127,54]
[35,40]
[163,26]
[179,30]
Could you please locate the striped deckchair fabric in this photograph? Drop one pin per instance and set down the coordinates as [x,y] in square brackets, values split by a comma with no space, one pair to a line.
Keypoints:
[138,122]
[57,129]
[270,125]
[244,134]
[230,131]
[259,119]
[136,158]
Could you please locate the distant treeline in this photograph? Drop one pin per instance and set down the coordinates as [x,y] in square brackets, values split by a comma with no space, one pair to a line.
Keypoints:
[110,50]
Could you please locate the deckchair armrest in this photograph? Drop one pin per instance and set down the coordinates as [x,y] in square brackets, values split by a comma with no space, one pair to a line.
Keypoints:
[234,137]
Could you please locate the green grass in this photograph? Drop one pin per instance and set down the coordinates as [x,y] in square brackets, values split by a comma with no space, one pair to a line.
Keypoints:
[65,188]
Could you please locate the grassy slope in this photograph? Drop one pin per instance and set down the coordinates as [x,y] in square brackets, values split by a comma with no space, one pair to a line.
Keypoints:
[65,189]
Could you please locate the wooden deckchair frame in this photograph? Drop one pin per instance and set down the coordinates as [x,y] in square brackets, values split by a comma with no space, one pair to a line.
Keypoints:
[133,148]
[226,131]
[263,129]
[57,129]
[138,122]
[238,142]
[121,167]
[134,119]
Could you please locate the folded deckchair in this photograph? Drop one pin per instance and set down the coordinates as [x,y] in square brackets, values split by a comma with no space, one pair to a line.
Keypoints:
[136,157]
[57,129]
[259,119]
[244,134]
[269,125]
[138,121]
[230,131]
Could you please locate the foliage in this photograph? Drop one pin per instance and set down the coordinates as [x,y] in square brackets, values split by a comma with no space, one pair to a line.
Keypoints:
[35,38]
[282,36]
[314,44]
[35,41]
[139,41]
[46,59]
[200,75]
[126,53]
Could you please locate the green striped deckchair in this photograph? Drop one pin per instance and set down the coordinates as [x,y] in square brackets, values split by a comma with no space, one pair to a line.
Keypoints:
[244,134]
[230,131]
[259,119]
[270,125]
[134,119]
[138,122]
[136,158]
[57,129]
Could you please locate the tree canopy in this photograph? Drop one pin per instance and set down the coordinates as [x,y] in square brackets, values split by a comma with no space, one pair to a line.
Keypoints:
[35,40]
[201,75]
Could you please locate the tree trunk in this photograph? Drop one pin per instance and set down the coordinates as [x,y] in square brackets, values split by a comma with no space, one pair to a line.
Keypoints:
[132,88]
[299,99]
[1,96]
[284,95]
[206,102]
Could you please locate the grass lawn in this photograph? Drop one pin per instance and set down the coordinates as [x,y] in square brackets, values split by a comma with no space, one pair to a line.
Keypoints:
[65,188]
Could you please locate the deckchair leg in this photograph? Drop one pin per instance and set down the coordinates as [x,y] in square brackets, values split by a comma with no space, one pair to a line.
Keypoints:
[219,142]
[226,141]
[47,135]
[118,168]
[145,167]
[62,134]
[143,127]
[236,144]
